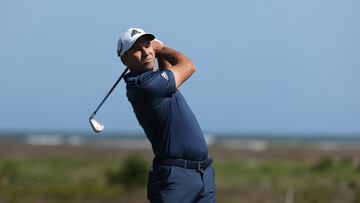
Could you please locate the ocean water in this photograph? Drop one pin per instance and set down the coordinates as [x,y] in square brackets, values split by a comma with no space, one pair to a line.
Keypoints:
[250,142]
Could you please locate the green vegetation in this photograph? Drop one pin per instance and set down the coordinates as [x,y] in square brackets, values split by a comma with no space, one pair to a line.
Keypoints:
[55,180]
[326,180]
[130,175]
[60,179]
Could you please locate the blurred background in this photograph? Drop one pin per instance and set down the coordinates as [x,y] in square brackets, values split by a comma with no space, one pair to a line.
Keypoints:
[276,93]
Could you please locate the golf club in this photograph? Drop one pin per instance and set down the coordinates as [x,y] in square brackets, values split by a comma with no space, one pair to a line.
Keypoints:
[96,126]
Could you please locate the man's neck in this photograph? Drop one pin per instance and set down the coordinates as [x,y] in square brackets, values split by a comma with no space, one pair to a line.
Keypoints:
[139,72]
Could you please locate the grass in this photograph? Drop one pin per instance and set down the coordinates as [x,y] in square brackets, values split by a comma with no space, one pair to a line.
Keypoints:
[56,179]
[311,182]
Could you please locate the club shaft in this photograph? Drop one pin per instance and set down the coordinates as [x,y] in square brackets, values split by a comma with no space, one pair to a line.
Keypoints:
[108,94]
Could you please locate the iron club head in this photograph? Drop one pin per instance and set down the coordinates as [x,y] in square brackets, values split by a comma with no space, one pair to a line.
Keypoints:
[96,126]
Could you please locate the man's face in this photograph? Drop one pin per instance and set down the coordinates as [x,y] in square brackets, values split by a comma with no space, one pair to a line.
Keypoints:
[141,56]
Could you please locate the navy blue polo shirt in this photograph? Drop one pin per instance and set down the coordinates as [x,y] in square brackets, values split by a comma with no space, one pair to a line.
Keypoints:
[166,118]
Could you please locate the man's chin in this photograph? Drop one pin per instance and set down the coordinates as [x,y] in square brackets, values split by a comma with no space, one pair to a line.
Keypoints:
[146,68]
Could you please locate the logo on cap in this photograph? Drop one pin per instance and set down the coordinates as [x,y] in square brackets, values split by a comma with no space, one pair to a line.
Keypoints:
[134,32]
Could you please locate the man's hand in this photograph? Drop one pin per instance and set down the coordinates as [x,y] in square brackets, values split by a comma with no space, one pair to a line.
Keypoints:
[157,45]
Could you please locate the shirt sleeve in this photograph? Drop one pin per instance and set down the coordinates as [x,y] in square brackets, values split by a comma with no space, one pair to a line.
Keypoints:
[159,83]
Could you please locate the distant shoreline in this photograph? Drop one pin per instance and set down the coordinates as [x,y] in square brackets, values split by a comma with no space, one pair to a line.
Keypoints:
[253,143]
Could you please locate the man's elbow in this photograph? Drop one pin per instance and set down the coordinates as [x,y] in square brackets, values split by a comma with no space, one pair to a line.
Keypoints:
[191,67]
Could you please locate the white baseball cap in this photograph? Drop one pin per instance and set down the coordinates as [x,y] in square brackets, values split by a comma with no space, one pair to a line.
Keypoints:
[128,39]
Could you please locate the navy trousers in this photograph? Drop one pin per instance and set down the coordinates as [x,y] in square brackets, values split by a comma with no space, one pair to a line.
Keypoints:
[172,184]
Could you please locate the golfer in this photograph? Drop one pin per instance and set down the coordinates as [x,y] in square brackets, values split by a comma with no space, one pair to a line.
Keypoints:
[181,170]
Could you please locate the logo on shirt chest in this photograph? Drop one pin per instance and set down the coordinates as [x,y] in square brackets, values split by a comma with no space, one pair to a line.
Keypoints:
[164,75]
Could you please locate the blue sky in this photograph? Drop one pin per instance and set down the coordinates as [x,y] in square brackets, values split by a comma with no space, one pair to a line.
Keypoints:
[263,67]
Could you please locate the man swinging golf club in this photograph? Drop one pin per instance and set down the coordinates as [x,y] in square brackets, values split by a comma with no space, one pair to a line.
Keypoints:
[181,170]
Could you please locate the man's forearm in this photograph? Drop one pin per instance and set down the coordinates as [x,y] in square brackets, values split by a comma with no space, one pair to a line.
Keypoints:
[178,63]
[172,57]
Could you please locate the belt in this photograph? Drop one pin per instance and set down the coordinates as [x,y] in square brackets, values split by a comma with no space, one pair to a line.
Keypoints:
[189,164]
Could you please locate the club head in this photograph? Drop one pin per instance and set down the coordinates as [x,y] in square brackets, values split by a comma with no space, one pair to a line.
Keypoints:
[96,126]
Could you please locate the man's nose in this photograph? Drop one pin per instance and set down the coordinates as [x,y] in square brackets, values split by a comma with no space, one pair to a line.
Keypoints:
[145,50]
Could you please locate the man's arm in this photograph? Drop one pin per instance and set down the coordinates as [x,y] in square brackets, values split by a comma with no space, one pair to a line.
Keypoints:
[163,64]
[179,64]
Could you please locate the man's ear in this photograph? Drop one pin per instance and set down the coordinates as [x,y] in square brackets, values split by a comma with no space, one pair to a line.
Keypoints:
[124,60]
